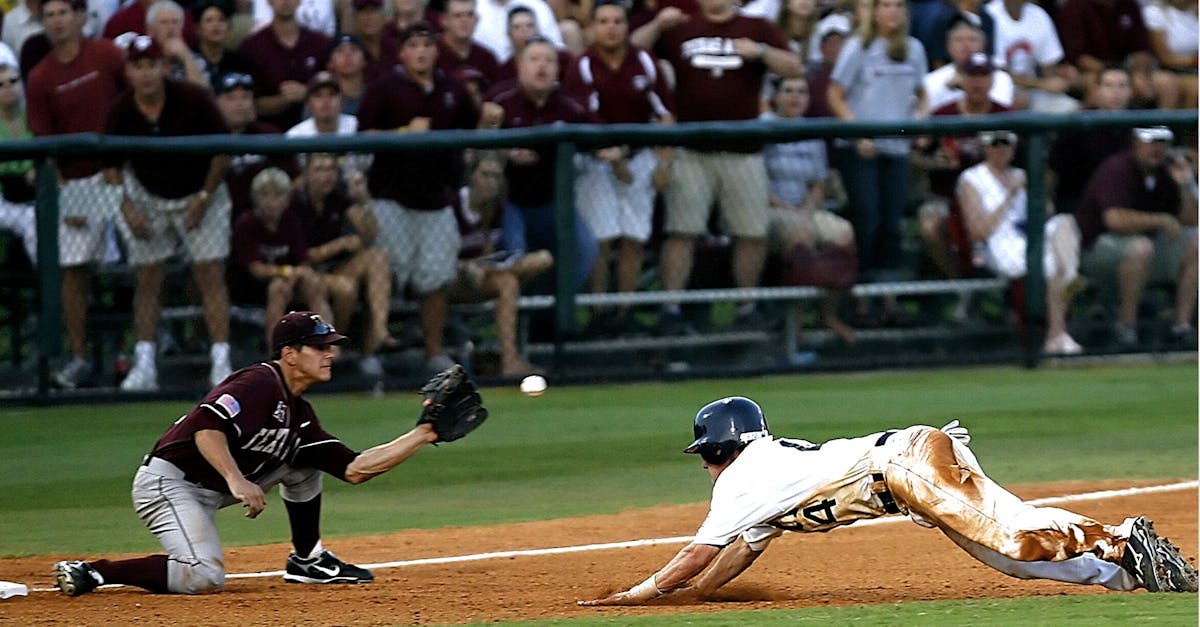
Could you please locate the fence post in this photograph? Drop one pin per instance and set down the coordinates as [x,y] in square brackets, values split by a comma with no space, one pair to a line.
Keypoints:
[564,235]
[1035,230]
[49,322]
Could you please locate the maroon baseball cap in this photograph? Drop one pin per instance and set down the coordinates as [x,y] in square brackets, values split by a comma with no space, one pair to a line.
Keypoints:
[978,64]
[304,327]
[141,47]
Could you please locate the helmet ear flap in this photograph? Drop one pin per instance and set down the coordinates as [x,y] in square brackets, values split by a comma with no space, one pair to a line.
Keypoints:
[717,453]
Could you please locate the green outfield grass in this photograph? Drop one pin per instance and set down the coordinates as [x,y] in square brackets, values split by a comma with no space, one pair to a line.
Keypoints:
[65,471]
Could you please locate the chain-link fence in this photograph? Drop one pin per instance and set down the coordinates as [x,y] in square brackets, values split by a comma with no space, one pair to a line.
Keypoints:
[582,251]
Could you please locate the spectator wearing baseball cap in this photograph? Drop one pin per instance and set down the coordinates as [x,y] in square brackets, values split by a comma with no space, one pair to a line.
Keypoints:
[831,32]
[131,18]
[214,58]
[966,46]
[1138,219]
[324,105]
[173,203]
[348,64]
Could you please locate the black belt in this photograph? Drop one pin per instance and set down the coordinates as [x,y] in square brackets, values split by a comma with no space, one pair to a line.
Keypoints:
[879,486]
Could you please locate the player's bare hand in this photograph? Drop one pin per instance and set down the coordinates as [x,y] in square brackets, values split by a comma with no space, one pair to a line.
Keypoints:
[250,495]
[620,598]
[293,91]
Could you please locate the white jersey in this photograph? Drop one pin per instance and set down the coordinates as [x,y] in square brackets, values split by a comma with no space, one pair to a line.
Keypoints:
[793,485]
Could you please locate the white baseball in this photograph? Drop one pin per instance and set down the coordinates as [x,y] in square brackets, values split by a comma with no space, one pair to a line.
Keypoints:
[533,385]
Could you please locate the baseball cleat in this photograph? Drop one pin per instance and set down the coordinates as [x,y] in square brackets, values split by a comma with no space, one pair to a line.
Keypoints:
[75,577]
[1174,571]
[324,568]
[1140,554]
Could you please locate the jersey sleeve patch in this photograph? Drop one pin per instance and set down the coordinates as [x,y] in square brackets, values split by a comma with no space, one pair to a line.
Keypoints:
[229,404]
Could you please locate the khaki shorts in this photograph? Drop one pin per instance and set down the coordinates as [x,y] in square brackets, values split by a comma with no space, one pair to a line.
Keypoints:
[95,201]
[737,181]
[422,246]
[1110,249]
[209,241]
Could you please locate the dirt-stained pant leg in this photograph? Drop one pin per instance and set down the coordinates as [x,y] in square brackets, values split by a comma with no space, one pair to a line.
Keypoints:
[1082,569]
[939,480]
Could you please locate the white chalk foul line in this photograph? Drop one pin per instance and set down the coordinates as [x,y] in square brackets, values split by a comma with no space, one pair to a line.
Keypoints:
[1070,498]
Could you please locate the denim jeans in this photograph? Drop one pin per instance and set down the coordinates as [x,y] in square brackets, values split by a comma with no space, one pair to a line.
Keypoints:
[532,228]
[877,191]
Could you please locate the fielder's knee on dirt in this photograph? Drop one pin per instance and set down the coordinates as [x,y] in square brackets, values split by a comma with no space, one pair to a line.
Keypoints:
[196,577]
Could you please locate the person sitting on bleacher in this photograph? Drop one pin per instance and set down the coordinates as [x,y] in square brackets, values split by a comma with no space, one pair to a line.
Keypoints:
[993,201]
[340,231]
[270,254]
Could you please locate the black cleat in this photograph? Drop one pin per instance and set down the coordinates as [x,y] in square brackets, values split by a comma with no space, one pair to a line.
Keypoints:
[324,568]
[75,577]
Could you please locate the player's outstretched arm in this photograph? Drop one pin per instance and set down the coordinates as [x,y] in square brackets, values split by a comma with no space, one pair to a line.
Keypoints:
[380,459]
[688,563]
[732,561]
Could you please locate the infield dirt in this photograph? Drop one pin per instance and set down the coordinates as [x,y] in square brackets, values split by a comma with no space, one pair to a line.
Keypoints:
[849,566]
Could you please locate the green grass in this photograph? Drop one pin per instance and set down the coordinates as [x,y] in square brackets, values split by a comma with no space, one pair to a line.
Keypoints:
[65,471]
[1132,609]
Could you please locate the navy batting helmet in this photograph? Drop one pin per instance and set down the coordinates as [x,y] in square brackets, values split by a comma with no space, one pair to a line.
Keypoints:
[725,426]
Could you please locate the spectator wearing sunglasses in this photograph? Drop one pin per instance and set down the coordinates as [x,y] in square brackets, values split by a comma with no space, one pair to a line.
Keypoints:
[994,203]
[1138,219]
[235,101]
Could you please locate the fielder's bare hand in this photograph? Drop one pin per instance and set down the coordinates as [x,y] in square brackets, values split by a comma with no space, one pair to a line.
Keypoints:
[250,495]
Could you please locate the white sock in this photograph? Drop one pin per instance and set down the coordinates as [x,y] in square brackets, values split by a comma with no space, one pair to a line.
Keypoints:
[143,354]
[219,352]
[317,550]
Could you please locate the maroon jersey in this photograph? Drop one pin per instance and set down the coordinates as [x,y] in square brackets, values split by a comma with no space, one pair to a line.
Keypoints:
[1119,183]
[533,185]
[188,109]
[266,425]
[633,93]
[1109,31]
[74,97]
[478,58]
[274,63]
[423,180]
[711,81]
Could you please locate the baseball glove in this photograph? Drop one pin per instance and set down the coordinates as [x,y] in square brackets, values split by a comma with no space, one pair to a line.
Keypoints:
[452,404]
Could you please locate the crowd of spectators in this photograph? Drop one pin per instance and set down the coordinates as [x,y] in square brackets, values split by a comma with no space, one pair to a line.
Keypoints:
[327,232]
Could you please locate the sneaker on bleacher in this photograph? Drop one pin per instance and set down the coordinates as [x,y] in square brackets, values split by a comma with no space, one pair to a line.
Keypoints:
[73,374]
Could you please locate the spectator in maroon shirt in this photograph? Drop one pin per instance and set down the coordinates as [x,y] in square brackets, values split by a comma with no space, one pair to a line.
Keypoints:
[456,47]
[1138,221]
[1096,33]
[535,100]
[413,191]
[285,56]
[720,58]
[68,91]
[379,46]
[832,32]
[1075,155]
[614,192]
[341,230]
[270,254]
[131,18]
[170,199]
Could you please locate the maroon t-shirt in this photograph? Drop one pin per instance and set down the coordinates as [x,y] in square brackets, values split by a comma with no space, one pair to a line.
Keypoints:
[1119,183]
[478,58]
[633,93]
[188,109]
[330,223]
[274,64]
[253,241]
[533,185]
[266,425]
[376,66]
[74,97]
[711,81]
[423,180]
[131,18]
[640,18]
[1108,31]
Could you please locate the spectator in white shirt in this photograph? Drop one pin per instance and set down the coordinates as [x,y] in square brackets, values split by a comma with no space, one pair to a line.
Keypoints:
[943,85]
